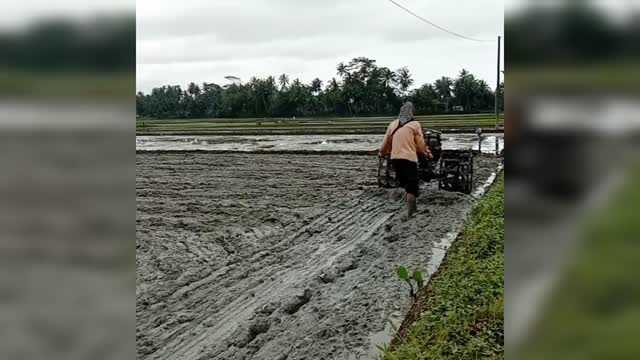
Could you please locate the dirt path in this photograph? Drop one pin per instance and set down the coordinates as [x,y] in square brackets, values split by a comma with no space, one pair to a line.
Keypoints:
[262,256]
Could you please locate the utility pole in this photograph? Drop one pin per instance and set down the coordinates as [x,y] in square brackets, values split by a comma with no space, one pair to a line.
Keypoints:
[497,95]
[498,87]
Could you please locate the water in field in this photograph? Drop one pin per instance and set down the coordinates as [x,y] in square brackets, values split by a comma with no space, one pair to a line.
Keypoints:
[301,142]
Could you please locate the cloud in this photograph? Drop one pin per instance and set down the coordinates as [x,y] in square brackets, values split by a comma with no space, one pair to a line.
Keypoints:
[196,40]
[208,48]
[18,14]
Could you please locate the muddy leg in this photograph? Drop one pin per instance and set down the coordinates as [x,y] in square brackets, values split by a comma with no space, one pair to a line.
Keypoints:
[411,204]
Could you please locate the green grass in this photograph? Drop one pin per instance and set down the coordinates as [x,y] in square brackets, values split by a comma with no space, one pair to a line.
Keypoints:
[16,83]
[323,119]
[462,312]
[375,124]
[595,311]
[577,77]
[308,125]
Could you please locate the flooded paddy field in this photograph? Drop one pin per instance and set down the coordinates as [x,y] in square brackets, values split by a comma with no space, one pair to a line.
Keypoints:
[300,142]
[271,256]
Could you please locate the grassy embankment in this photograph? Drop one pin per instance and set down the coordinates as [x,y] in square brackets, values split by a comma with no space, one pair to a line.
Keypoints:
[595,310]
[72,85]
[306,125]
[459,314]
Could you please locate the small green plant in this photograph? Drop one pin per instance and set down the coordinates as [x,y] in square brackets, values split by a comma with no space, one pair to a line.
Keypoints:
[416,277]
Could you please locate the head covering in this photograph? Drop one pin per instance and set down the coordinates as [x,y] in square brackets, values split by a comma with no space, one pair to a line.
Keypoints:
[406,113]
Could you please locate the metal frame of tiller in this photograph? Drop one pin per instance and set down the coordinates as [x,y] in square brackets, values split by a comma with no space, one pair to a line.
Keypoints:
[452,168]
[456,171]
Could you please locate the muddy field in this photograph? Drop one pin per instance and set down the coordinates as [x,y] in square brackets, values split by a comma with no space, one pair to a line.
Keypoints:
[264,143]
[259,256]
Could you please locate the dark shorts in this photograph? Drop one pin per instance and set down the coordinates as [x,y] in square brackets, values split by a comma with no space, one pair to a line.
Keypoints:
[407,175]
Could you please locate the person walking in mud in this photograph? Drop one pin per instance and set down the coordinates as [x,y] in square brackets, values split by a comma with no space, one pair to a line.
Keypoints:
[405,142]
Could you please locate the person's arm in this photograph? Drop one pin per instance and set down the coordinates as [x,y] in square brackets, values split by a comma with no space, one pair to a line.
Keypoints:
[421,146]
[385,148]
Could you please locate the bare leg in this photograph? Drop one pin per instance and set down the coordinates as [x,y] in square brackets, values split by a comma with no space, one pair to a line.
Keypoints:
[411,204]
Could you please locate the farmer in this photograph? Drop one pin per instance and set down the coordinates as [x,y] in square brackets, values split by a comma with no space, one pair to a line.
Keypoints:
[405,142]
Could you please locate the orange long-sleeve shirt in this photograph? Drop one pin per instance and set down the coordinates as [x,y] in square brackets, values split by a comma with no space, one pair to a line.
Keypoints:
[407,142]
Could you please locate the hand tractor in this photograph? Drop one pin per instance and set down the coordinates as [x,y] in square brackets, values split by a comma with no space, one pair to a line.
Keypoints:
[453,169]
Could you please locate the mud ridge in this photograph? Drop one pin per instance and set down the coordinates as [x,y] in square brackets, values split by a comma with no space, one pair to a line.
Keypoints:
[264,256]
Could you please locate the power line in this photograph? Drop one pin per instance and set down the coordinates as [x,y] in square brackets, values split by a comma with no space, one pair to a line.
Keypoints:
[436,25]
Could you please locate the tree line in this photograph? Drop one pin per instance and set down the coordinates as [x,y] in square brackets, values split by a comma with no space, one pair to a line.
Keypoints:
[362,88]
[573,32]
[106,43]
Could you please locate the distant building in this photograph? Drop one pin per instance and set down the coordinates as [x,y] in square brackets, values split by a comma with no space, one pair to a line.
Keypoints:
[458,108]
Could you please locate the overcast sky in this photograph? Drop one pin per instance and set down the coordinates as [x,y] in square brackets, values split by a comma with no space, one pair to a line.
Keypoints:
[204,41]
[17,14]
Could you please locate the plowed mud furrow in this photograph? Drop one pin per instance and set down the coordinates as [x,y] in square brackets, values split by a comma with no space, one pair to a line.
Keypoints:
[293,273]
[287,280]
[257,256]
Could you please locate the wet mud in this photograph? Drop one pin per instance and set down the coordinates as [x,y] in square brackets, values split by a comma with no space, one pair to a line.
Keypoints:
[262,256]
[310,143]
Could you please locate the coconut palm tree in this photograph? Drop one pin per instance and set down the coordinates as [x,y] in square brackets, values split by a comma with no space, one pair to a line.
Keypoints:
[404,80]
[342,70]
[443,87]
[333,85]
[316,86]
[464,89]
[284,81]
[388,77]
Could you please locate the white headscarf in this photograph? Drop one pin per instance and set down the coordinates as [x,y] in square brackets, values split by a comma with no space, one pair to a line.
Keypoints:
[406,113]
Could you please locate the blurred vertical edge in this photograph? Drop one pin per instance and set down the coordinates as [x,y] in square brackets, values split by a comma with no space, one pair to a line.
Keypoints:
[572,120]
[67,188]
